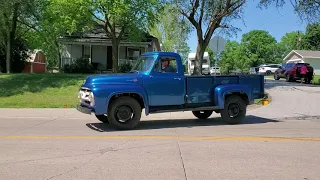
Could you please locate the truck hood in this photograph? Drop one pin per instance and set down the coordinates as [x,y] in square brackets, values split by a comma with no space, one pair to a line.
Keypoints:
[125,78]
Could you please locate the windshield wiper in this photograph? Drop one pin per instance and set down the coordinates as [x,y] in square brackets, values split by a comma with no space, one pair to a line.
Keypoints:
[133,71]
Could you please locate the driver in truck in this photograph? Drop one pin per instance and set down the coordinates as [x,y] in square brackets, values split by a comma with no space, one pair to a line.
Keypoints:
[166,66]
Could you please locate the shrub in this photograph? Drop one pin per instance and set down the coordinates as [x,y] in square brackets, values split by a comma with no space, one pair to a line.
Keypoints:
[81,65]
[123,68]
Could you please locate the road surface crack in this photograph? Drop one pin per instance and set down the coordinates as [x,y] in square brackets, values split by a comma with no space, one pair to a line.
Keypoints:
[34,126]
[102,152]
[181,158]
[182,162]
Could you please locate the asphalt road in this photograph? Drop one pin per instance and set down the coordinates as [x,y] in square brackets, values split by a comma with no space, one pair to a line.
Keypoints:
[278,141]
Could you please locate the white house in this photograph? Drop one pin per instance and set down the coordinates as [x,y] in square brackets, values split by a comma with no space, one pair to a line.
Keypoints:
[97,47]
[304,56]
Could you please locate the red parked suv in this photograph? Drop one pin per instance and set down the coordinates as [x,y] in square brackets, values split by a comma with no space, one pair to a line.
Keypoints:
[291,71]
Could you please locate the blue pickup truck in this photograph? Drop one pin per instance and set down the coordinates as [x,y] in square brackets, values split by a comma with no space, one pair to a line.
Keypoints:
[157,84]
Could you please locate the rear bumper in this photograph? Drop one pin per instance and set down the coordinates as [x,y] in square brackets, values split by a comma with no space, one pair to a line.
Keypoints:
[84,109]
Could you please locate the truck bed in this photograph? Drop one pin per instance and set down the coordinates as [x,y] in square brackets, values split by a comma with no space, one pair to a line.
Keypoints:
[199,88]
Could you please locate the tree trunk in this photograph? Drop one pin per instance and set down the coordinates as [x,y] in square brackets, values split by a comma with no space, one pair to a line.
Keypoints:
[115,50]
[10,40]
[198,60]
[8,54]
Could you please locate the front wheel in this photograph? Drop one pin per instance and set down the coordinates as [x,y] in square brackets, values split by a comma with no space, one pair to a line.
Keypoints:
[202,114]
[234,110]
[124,113]
[102,118]
[276,77]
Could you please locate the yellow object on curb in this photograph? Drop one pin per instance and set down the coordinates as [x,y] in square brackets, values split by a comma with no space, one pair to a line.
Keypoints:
[265,102]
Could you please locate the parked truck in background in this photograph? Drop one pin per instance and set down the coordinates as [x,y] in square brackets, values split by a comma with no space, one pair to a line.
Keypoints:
[119,99]
[205,63]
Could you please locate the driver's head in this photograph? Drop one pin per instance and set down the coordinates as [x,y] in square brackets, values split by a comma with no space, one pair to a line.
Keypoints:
[165,62]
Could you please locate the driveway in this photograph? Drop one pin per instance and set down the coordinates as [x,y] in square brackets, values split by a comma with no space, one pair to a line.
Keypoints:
[278,141]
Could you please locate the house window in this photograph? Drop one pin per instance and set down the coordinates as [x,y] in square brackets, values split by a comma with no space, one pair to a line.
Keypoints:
[133,53]
[86,51]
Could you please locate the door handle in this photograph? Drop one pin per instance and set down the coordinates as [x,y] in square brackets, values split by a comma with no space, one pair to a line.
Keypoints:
[177,79]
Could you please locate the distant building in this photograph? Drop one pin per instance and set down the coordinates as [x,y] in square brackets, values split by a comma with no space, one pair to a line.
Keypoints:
[36,62]
[97,47]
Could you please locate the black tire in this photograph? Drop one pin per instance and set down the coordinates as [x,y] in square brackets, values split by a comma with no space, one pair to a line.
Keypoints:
[276,77]
[268,73]
[240,109]
[202,114]
[129,107]
[102,118]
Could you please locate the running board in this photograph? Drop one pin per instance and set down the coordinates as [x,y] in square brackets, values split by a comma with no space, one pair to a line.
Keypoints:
[187,109]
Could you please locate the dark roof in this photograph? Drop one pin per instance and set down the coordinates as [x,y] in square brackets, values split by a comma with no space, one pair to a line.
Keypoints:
[98,32]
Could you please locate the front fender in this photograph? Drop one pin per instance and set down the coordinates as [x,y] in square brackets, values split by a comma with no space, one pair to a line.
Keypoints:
[222,90]
[103,94]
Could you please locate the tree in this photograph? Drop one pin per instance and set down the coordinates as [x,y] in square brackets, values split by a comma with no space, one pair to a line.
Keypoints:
[56,18]
[172,31]
[308,10]
[311,38]
[19,55]
[234,57]
[290,41]
[260,47]
[13,13]
[120,19]
[212,14]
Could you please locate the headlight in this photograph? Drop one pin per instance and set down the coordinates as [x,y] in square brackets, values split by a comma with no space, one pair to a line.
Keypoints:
[91,99]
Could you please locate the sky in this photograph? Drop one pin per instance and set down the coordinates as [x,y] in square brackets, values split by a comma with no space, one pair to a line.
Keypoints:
[277,21]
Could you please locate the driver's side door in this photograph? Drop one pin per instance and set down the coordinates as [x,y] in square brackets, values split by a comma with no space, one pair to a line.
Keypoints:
[164,88]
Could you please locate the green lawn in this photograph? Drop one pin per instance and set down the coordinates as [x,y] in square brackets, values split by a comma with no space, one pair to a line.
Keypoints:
[316,80]
[39,90]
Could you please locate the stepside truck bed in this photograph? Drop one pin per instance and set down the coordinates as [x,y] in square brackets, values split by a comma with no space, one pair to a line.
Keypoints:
[202,89]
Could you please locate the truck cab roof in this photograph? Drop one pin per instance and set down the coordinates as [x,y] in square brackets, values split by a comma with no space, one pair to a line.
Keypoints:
[160,53]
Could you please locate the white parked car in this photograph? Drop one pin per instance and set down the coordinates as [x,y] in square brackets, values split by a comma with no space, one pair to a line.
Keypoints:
[268,69]
[214,70]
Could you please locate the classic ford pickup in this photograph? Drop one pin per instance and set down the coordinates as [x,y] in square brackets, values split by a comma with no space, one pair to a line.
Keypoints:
[157,84]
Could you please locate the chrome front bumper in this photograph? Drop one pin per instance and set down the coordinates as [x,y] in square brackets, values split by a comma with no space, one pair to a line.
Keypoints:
[84,109]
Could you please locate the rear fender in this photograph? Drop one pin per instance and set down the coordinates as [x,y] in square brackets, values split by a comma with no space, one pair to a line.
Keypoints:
[221,91]
[104,94]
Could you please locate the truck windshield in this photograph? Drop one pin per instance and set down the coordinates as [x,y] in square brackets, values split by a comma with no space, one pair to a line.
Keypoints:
[143,63]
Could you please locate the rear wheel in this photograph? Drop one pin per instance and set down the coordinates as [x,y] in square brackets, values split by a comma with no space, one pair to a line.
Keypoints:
[202,114]
[124,113]
[276,77]
[102,118]
[234,110]
[268,73]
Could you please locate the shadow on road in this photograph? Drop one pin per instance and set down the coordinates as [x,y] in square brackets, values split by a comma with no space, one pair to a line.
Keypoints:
[176,123]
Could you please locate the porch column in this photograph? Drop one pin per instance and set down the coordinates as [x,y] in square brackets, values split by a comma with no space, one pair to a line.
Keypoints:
[118,54]
[90,54]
